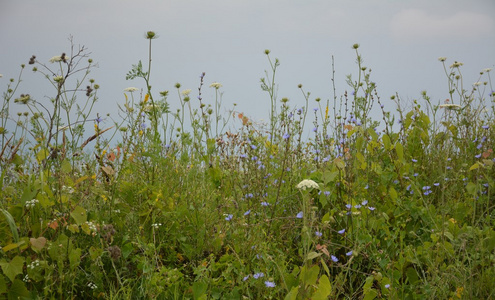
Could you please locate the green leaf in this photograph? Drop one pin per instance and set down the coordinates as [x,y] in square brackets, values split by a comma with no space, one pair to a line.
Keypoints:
[312,255]
[386,141]
[3,285]
[199,290]
[393,193]
[75,258]
[18,290]
[324,289]
[12,225]
[42,154]
[14,268]
[79,215]
[38,244]
[400,151]
[292,295]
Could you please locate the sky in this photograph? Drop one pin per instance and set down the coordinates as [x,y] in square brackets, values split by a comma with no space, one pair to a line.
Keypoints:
[400,40]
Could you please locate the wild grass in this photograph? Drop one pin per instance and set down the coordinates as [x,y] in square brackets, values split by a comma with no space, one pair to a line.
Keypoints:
[155,203]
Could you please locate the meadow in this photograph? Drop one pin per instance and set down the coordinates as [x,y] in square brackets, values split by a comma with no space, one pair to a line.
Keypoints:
[322,201]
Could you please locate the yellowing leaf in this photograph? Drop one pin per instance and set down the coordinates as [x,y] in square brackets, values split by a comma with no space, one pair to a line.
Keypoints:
[38,243]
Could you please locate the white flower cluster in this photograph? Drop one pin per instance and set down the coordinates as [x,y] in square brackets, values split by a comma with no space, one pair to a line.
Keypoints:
[58,58]
[130,89]
[26,278]
[186,92]
[216,85]
[156,225]
[92,226]
[58,78]
[307,184]
[450,106]
[92,286]
[34,264]
[31,203]
[67,189]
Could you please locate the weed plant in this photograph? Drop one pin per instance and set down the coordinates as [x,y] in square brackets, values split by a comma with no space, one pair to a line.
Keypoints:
[194,204]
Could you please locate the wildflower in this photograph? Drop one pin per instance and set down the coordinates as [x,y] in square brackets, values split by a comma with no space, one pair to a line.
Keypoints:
[364,202]
[456,64]
[286,136]
[229,217]
[246,278]
[130,89]
[264,203]
[341,231]
[315,129]
[318,234]
[387,286]
[436,184]
[258,275]
[326,193]
[478,156]
[270,284]
[349,253]
[450,106]
[247,212]
[58,58]
[334,259]
[371,208]
[307,183]
[216,85]
[349,206]
[487,70]
[357,206]
[299,215]
[58,78]
[414,160]
[442,59]
[477,83]
[366,187]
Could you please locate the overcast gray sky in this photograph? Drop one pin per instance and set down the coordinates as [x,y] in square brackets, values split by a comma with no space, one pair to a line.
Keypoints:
[400,40]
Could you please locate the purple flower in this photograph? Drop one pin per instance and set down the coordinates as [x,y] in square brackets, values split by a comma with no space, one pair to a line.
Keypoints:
[366,187]
[270,284]
[478,156]
[286,136]
[414,160]
[326,193]
[349,253]
[387,286]
[258,275]
[264,203]
[349,206]
[436,184]
[415,174]
[247,213]
[315,109]
[334,259]
[229,217]
[357,206]
[479,146]
[299,215]
[485,127]
[318,234]
[315,129]
[364,202]
[371,208]
[341,231]
[246,278]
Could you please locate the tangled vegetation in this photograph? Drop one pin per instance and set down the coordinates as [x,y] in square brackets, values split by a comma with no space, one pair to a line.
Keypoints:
[197,204]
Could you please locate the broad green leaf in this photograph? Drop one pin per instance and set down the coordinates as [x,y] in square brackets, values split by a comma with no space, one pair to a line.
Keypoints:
[400,151]
[292,295]
[42,154]
[386,141]
[3,285]
[393,193]
[324,289]
[309,276]
[18,290]
[475,166]
[79,215]
[75,258]
[329,176]
[370,295]
[471,188]
[199,290]
[13,268]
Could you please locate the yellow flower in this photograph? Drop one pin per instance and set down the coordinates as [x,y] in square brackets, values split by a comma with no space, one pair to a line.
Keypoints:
[146,98]
[326,113]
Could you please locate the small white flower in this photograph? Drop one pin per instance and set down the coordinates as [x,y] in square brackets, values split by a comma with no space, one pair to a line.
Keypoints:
[58,78]
[450,106]
[130,89]
[186,92]
[216,85]
[442,58]
[57,58]
[456,64]
[484,70]
[1,75]
[307,183]
[478,83]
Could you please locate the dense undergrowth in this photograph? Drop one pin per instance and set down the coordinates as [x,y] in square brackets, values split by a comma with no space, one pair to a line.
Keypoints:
[176,204]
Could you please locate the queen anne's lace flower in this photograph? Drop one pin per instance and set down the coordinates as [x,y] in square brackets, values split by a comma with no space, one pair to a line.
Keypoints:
[450,106]
[216,85]
[186,92]
[58,58]
[307,184]
[130,89]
